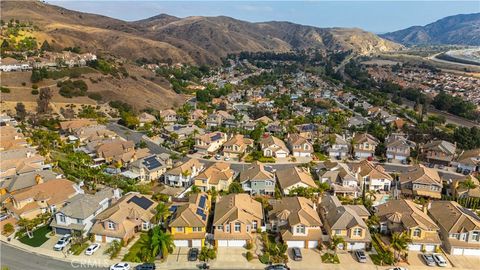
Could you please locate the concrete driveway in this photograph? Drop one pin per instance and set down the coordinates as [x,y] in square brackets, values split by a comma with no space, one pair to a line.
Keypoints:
[415,260]
[311,259]
[464,262]
[231,257]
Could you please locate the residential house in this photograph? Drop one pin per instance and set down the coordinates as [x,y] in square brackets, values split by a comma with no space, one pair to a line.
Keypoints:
[406,216]
[297,221]
[459,228]
[294,177]
[149,168]
[196,115]
[364,146]
[169,116]
[146,118]
[92,133]
[339,147]
[421,181]
[119,151]
[459,191]
[346,221]
[237,146]
[183,175]
[78,213]
[183,132]
[188,223]
[124,219]
[398,147]
[357,121]
[218,177]
[257,180]
[341,179]
[371,176]
[11,138]
[219,118]
[439,152]
[299,146]
[26,180]
[469,161]
[210,143]
[236,219]
[44,197]
[19,161]
[274,147]
[71,125]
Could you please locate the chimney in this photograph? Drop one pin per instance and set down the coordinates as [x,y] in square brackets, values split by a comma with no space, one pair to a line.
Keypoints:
[117,193]
[426,207]
[38,179]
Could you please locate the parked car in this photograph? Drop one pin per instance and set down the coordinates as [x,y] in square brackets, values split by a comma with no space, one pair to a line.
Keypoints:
[4,216]
[297,254]
[145,266]
[226,159]
[428,259]
[63,242]
[218,157]
[192,254]
[92,249]
[431,165]
[398,268]
[440,260]
[120,266]
[361,257]
[277,267]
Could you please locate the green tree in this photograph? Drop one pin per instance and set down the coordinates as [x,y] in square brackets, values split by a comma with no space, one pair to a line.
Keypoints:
[468,185]
[20,111]
[45,46]
[207,254]
[161,213]
[336,241]
[113,249]
[235,187]
[8,229]
[160,242]
[399,243]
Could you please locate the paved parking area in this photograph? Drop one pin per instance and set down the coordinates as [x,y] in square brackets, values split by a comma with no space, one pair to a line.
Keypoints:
[311,259]
[230,257]
[464,262]
[415,260]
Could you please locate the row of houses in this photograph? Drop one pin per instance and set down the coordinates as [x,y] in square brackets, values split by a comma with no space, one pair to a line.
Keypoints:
[47,60]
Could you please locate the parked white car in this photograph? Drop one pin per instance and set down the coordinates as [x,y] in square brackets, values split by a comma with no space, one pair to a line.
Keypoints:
[92,249]
[440,260]
[63,242]
[120,266]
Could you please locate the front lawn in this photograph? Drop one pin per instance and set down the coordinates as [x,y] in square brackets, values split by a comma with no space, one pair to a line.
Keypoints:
[78,248]
[39,237]
[330,258]
[135,252]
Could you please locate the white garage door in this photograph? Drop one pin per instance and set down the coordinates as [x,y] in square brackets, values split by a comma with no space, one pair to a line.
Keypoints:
[181,243]
[231,243]
[196,243]
[429,248]
[281,155]
[457,251]
[298,244]
[471,252]
[414,247]
[312,244]
[355,246]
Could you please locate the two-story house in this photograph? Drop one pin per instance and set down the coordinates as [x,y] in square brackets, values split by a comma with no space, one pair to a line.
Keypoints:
[421,181]
[150,168]
[168,116]
[124,219]
[339,147]
[237,146]
[469,161]
[294,177]
[78,213]
[274,147]
[371,176]
[439,152]
[219,118]
[299,146]
[196,115]
[341,179]
[218,177]
[236,220]
[256,180]
[398,147]
[210,143]
[189,221]
[364,146]
[406,216]
[183,174]
[297,221]
[459,227]
[346,221]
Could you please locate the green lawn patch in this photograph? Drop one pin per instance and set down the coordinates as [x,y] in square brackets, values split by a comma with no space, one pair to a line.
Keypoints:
[78,249]
[320,156]
[330,258]
[39,237]
[134,253]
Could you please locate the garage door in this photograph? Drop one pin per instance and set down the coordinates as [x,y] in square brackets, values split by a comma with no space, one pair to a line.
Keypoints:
[236,243]
[471,252]
[181,243]
[312,244]
[414,247]
[457,251]
[355,246]
[430,248]
[298,244]
[196,243]
[62,231]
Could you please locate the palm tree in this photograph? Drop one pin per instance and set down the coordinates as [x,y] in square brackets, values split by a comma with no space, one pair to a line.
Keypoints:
[160,242]
[468,184]
[195,189]
[400,243]
[336,240]
[370,194]
[27,225]
[161,213]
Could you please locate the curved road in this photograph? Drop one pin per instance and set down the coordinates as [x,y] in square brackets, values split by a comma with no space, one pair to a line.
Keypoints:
[18,259]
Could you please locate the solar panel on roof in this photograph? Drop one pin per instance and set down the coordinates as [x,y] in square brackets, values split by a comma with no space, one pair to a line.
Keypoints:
[202,201]
[201,213]
[143,202]
[151,163]
[216,137]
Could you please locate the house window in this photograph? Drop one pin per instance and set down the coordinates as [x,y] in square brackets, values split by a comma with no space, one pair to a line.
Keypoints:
[254,224]
[197,229]
[301,229]
[79,221]
[111,225]
[357,232]
[145,226]
[476,236]
[62,218]
[220,227]
[179,229]
[227,229]
[248,228]
[417,232]
[237,227]
[338,232]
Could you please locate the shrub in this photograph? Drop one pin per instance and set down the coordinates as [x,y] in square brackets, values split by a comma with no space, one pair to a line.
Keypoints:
[5,89]
[265,258]
[8,229]
[95,96]
[249,246]
[34,86]
[24,83]
[34,92]
[249,256]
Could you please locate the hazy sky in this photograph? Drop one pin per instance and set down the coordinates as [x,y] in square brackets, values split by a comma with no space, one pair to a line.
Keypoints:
[375,16]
